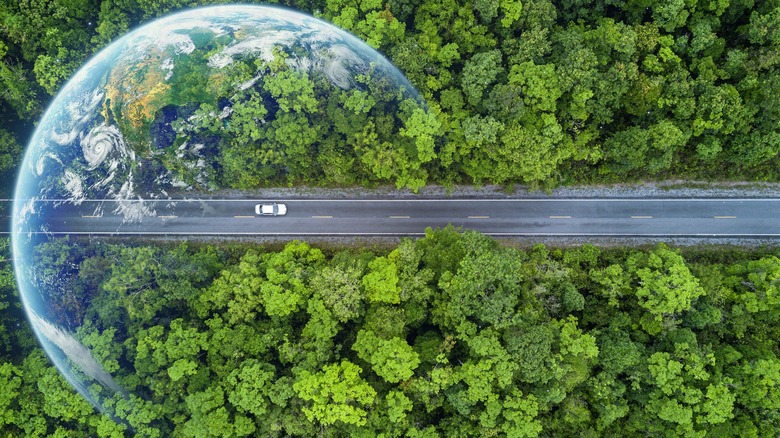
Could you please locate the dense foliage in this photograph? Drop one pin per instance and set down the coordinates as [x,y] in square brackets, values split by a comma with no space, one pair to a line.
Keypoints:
[543,92]
[449,335]
[288,127]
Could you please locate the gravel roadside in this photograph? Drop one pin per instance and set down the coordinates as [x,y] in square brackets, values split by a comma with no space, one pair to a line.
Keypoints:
[667,189]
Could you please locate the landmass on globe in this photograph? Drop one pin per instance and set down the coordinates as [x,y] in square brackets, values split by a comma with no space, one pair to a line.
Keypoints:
[236,97]
[204,101]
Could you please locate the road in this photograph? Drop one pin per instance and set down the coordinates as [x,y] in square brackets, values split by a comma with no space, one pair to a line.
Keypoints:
[727,217]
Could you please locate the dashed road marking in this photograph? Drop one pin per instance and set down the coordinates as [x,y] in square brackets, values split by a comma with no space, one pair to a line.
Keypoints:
[322,217]
[244,217]
[560,217]
[641,217]
[519,200]
[91,216]
[725,217]
[400,217]
[167,217]
[479,217]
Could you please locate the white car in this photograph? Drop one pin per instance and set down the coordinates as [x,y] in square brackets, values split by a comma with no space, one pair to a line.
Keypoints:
[271,209]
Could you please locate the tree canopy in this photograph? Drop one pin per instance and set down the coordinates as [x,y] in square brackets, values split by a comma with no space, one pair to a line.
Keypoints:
[541,92]
[467,337]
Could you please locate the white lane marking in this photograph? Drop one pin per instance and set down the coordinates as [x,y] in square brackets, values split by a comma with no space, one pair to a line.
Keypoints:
[322,217]
[479,217]
[430,200]
[90,216]
[724,217]
[400,217]
[244,217]
[560,217]
[167,217]
[641,217]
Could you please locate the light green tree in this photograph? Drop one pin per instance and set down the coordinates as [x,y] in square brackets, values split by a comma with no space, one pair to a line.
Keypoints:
[10,382]
[209,417]
[665,285]
[391,359]
[520,416]
[293,91]
[249,385]
[381,281]
[398,405]
[335,394]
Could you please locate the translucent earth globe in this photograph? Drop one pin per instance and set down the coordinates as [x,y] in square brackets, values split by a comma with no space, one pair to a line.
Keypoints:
[224,97]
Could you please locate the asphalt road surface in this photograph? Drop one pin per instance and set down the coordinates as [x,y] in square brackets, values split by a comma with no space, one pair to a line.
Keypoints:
[757,218]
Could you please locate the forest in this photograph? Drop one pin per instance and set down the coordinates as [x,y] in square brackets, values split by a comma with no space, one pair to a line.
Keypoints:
[538,92]
[449,335]
[454,334]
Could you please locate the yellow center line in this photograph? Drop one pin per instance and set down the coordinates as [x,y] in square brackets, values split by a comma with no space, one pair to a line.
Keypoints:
[479,217]
[322,217]
[244,217]
[560,217]
[400,217]
[641,217]
[725,217]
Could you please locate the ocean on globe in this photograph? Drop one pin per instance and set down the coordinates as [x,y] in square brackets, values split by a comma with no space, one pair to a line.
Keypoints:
[226,97]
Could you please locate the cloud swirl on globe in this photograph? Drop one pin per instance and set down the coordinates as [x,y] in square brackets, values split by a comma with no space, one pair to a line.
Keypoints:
[102,141]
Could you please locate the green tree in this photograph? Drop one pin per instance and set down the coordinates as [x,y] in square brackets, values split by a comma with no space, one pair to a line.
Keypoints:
[209,416]
[336,394]
[11,382]
[671,15]
[665,285]
[398,405]
[292,91]
[250,385]
[520,415]
[50,35]
[479,73]
[340,289]
[133,282]
[485,290]
[17,91]
[113,20]
[369,19]
[652,149]
[684,393]
[391,359]
[52,70]
[764,26]
[540,85]
[381,282]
